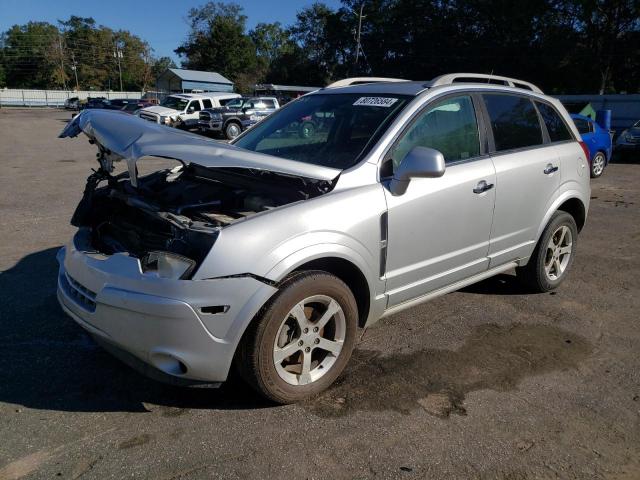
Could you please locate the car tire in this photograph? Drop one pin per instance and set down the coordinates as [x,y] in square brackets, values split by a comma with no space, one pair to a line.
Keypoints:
[553,256]
[307,129]
[598,162]
[283,355]
[232,130]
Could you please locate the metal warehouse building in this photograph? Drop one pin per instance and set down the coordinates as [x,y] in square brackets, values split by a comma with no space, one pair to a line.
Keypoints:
[177,80]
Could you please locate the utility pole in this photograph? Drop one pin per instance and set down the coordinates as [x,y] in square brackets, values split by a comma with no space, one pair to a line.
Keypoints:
[360,17]
[74,67]
[117,54]
[62,74]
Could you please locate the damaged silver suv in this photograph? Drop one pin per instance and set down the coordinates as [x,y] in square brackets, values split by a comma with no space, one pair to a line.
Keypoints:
[269,253]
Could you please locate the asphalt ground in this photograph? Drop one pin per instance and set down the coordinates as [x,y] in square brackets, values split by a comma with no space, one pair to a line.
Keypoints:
[489,382]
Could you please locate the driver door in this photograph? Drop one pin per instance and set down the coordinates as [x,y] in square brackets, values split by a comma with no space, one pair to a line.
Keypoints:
[438,231]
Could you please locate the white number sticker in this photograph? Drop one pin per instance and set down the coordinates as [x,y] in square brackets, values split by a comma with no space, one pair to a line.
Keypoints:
[376,101]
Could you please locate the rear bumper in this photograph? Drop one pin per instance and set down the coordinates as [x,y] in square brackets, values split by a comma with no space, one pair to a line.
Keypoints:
[158,325]
[211,126]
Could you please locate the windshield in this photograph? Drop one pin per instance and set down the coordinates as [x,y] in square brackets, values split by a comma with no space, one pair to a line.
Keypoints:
[333,130]
[235,103]
[176,103]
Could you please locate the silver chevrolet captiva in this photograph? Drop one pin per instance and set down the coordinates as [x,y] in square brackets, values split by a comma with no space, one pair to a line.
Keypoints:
[345,206]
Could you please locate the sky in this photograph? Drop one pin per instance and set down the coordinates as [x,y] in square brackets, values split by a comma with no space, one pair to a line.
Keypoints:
[162,23]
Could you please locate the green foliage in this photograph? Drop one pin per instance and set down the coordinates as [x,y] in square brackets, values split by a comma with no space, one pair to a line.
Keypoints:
[42,55]
[565,46]
[217,42]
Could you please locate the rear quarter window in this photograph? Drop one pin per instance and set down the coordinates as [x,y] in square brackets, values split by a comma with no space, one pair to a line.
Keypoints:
[557,129]
[514,121]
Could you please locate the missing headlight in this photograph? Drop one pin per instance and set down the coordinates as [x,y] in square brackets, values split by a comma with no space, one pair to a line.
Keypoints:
[167,265]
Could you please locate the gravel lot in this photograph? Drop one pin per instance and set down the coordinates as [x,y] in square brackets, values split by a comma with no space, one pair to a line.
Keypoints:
[489,382]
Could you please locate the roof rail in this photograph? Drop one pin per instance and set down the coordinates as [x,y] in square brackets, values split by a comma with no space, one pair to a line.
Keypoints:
[482,78]
[362,80]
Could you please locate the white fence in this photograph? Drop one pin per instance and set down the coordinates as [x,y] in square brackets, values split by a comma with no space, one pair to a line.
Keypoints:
[53,98]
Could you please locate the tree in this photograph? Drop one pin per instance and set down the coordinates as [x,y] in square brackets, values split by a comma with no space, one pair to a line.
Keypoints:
[160,65]
[217,42]
[608,27]
[324,37]
[30,57]
[271,41]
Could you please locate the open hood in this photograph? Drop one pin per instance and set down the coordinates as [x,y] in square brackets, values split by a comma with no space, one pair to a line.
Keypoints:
[121,136]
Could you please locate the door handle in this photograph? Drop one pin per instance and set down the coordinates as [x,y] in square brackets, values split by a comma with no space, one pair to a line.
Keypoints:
[482,186]
[550,169]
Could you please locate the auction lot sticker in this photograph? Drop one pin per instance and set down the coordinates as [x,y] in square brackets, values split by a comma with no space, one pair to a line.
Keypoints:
[376,101]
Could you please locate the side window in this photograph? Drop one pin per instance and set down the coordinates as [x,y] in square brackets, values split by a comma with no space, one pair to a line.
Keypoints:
[195,104]
[558,131]
[206,103]
[514,121]
[583,126]
[269,103]
[449,126]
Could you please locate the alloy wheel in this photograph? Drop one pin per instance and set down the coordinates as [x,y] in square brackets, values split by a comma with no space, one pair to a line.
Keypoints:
[558,253]
[309,340]
[233,131]
[597,164]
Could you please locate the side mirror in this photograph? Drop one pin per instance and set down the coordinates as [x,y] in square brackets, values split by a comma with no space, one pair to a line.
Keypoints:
[420,162]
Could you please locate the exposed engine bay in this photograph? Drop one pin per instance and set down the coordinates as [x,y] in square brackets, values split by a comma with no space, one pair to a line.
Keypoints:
[180,210]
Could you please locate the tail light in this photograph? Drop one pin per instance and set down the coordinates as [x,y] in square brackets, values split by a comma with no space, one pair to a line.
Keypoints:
[585,149]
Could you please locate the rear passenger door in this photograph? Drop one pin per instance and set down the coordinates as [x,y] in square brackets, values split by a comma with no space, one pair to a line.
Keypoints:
[527,174]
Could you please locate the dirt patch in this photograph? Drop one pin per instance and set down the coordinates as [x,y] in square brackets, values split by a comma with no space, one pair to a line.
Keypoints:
[493,357]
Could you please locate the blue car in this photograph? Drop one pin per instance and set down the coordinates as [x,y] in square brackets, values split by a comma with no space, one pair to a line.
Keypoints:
[598,140]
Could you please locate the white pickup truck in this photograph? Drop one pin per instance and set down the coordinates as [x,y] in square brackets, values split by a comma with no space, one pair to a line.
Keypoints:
[181,110]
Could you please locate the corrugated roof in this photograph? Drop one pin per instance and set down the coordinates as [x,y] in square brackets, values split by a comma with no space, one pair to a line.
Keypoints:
[198,76]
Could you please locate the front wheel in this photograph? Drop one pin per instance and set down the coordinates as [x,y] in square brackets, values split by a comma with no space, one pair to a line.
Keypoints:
[303,339]
[598,163]
[550,262]
[307,129]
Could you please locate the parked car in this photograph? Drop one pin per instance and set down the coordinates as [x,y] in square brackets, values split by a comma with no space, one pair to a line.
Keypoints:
[72,103]
[269,252]
[121,102]
[629,139]
[237,115]
[134,107]
[100,103]
[182,110]
[598,140]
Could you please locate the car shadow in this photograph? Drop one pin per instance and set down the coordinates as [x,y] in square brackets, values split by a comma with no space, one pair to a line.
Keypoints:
[625,157]
[501,284]
[48,362]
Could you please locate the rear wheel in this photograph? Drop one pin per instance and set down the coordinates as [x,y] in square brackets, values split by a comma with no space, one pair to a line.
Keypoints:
[303,339]
[598,163]
[553,256]
[232,130]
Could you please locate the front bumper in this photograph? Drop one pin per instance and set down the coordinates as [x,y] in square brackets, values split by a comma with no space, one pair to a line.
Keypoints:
[628,147]
[158,322]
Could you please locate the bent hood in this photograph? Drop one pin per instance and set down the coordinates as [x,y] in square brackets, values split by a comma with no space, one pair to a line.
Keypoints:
[131,138]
